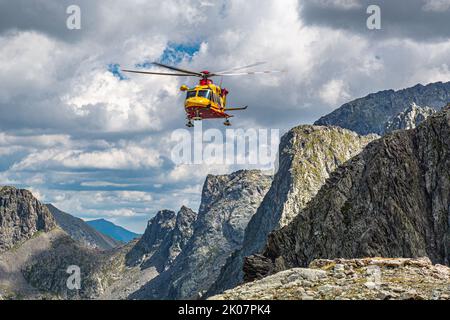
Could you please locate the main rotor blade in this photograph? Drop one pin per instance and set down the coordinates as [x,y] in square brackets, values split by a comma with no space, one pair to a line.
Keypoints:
[161,73]
[177,69]
[240,68]
[245,73]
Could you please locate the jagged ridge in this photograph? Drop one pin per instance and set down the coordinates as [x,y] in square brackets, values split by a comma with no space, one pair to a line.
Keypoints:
[392,200]
[307,155]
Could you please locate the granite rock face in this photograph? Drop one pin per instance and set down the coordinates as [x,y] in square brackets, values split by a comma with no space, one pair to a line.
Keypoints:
[307,156]
[176,241]
[409,119]
[228,202]
[354,279]
[392,200]
[21,217]
[157,232]
[372,113]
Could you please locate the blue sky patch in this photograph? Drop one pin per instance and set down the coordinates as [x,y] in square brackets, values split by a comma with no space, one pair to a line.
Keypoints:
[177,52]
[114,68]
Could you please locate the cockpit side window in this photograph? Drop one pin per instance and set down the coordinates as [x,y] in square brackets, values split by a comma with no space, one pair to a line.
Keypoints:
[204,93]
[191,94]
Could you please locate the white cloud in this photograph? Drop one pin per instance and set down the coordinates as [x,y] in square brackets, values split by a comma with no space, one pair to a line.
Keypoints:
[128,157]
[66,121]
[104,184]
[339,4]
[334,92]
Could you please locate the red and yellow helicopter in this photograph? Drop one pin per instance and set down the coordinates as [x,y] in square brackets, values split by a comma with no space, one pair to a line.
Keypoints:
[206,100]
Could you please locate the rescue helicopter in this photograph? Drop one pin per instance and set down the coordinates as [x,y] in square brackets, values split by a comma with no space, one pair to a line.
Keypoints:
[206,100]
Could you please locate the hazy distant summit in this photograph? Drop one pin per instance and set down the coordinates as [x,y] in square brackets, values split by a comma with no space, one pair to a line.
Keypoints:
[110,229]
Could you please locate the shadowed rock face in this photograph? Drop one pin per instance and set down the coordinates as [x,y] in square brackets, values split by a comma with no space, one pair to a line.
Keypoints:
[392,200]
[228,203]
[21,217]
[371,114]
[307,155]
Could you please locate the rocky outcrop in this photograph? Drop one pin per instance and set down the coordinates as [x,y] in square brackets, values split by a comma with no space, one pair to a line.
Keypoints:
[392,200]
[409,119]
[176,241]
[372,113]
[354,279]
[47,269]
[21,217]
[228,202]
[35,253]
[157,232]
[80,231]
[307,155]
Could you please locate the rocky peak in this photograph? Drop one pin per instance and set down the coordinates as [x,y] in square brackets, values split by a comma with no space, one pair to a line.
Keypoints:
[372,113]
[228,202]
[156,233]
[307,155]
[21,217]
[175,242]
[409,119]
[392,200]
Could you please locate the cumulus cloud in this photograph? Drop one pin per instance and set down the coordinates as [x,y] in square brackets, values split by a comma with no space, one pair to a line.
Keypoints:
[98,145]
[334,92]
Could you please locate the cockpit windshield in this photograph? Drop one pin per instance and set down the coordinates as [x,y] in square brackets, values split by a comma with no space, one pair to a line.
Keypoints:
[204,93]
[191,94]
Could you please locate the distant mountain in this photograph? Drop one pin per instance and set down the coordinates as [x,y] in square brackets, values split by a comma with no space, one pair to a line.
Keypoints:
[373,113]
[110,229]
[80,231]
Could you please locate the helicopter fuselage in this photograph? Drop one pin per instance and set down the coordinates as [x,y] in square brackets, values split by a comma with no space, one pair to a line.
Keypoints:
[205,101]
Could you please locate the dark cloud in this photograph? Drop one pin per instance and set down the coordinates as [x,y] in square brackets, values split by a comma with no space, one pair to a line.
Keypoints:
[400,18]
[48,17]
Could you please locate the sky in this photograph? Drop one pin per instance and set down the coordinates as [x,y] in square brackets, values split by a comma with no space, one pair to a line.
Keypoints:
[96,142]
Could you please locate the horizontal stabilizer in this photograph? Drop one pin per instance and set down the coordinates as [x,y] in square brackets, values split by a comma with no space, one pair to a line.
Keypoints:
[236,109]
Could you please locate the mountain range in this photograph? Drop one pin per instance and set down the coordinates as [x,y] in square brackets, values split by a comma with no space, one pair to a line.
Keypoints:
[367,186]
